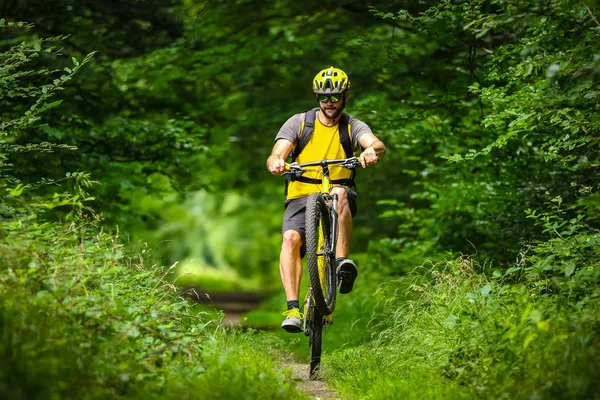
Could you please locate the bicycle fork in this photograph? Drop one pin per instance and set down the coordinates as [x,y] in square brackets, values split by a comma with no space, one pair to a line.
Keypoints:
[309,306]
[334,225]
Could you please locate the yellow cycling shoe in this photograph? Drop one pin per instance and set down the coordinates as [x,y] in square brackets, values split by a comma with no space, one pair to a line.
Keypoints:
[293,321]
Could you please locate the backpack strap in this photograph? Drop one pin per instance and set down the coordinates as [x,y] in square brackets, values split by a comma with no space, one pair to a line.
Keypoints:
[347,146]
[345,135]
[306,131]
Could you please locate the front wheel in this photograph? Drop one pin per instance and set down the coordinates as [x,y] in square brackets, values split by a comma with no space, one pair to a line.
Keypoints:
[319,254]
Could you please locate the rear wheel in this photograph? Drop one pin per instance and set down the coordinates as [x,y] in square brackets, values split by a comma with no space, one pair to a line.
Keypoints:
[315,337]
[319,254]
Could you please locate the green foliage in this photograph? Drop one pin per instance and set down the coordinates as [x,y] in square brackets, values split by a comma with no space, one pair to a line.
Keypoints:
[193,111]
[125,29]
[129,146]
[512,107]
[22,102]
[82,317]
[67,303]
[509,174]
[457,334]
[567,260]
[489,112]
[224,236]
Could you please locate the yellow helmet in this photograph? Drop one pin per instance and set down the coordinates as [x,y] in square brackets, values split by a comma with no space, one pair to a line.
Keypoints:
[331,81]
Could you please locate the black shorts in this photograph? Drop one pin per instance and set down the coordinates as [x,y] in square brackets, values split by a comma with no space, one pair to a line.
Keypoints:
[294,216]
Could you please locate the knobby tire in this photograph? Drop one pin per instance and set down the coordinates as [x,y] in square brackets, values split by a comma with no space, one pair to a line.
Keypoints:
[318,222]
[316,334]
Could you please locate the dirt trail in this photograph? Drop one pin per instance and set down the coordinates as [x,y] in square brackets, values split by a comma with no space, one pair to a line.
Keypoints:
[316,389]
[235,305]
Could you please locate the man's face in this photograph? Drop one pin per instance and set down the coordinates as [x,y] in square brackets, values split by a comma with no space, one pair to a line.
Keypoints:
[330,109]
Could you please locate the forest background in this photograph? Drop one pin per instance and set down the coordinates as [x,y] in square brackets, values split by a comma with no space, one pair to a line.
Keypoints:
[133,136]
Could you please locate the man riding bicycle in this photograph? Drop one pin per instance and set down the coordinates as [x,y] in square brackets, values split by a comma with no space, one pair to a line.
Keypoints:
[328,134]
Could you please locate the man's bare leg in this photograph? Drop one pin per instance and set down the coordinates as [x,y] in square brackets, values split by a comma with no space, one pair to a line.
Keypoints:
[290,264]
[290,267]
[344,224]
[347,271]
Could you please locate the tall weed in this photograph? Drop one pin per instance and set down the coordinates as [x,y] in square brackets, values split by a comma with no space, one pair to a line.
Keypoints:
[457,333]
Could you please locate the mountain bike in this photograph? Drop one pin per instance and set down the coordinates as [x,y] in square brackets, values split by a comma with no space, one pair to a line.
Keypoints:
[321,239]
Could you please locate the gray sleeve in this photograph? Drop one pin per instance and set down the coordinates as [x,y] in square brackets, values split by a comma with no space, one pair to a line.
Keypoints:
[291,128]
[358,130]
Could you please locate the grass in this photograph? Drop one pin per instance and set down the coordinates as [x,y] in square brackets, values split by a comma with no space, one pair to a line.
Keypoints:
[450,331]
[81,317]
[455,334]
[239,365]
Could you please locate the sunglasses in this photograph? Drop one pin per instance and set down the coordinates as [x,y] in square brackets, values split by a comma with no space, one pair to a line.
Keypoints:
[334,98]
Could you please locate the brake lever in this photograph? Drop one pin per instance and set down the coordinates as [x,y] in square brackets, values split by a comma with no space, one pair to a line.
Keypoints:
[294,171]
[352,163]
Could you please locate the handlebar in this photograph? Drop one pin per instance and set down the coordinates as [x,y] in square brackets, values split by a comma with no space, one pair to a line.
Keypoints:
[299,169]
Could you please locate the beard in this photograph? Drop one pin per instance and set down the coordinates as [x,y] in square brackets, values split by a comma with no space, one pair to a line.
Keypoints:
[337,112]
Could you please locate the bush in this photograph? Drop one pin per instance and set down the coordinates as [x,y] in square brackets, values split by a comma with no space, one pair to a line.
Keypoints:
[458,333]
[82,317]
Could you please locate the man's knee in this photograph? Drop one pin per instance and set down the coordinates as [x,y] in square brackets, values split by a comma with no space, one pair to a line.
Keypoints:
[292,241]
